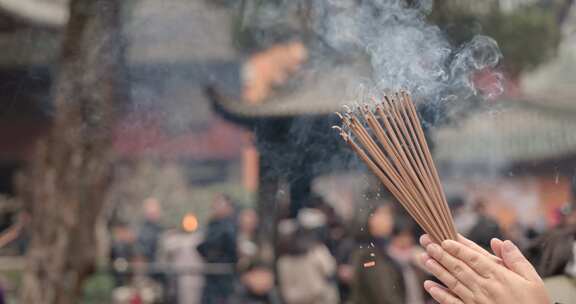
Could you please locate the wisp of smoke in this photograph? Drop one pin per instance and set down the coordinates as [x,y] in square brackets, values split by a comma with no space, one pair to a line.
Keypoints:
[405,51]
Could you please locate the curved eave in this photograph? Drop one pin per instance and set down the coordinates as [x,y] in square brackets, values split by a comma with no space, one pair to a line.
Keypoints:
[322,93]
[42,13]
[521,131]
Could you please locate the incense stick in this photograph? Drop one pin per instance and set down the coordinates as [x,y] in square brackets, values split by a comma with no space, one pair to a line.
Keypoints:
[391,142]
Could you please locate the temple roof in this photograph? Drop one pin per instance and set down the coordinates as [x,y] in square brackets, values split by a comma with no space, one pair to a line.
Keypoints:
[313,92]
[539,126]
[166,31]
[511,131]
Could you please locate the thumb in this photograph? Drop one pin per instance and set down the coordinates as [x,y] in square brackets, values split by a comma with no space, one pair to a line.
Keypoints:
[515,261]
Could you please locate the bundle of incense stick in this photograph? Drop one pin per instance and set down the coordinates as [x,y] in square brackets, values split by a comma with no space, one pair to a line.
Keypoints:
[390,141]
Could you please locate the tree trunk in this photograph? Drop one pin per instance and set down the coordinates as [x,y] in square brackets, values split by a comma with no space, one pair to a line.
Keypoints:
[65,183]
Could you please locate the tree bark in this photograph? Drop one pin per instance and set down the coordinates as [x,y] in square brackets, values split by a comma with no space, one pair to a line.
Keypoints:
[64,186]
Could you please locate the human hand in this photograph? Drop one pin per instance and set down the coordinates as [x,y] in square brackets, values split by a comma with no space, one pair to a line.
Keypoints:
[473,275]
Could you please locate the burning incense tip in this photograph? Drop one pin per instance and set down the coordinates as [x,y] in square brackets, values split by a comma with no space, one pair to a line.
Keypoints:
[391,142]
[366,108]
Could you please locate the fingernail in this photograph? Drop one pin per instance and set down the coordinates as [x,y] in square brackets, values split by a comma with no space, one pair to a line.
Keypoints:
[422,238]
[508,246]
[433,249]
[495,240]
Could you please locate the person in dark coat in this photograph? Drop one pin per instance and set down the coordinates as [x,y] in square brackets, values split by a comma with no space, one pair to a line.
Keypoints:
[403,249]
[257,285]
[377,277]
[150,230]
[486,227]
[149,234]
[122,252]
[219,246]
[474,222]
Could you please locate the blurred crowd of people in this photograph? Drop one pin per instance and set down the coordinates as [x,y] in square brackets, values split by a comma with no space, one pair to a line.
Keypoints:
[318,256]
[322,258]
[131,252]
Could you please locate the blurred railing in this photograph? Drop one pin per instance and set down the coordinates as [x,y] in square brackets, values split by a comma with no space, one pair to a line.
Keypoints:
[96,292]
[18,263]
[166,268]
